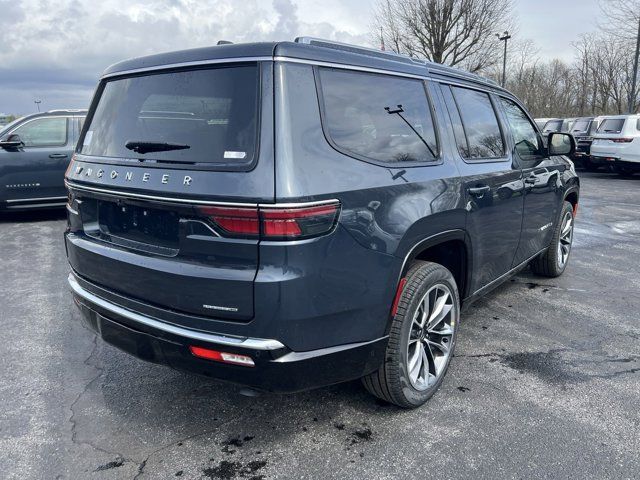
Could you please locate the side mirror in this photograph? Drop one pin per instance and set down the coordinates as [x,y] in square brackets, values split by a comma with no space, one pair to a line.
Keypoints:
[12,141]
[561,144]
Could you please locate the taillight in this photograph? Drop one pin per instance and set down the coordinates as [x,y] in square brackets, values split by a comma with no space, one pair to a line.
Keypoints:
[622,140]
[298,222]
[234,221]
[271,223]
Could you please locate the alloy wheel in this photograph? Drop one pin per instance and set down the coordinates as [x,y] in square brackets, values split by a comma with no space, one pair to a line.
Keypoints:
[431,336]
[565,240]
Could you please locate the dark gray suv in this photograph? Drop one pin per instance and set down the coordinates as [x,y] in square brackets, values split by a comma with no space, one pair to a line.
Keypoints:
[291,215]
[34,153]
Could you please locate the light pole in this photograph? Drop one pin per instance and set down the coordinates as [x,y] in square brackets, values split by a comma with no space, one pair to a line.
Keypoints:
[634,78]
[38,102]
[504,38]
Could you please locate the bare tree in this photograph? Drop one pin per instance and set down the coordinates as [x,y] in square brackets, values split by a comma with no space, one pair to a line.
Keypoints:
[451,32]
[623,21]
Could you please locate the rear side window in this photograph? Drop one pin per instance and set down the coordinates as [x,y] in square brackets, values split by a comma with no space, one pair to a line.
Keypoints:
[197,116]
[378,117]
[43,132]
[482,135]
[611,125]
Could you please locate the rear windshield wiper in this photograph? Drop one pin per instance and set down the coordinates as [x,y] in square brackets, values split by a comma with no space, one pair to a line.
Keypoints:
[146,147]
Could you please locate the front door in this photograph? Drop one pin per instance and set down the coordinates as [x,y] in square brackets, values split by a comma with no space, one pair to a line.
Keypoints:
[542,182]
[493,183]
[34,172]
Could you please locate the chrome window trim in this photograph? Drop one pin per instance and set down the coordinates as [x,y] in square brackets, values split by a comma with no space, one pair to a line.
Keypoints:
[196,63]
[142,196]
[25,200]
[232,341]
[346,66]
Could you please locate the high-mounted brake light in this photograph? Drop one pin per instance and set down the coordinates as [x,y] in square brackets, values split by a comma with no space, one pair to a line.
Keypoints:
[224,357]
[271,223]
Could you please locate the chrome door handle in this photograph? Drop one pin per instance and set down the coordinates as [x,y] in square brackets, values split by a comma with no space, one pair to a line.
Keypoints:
[479,192]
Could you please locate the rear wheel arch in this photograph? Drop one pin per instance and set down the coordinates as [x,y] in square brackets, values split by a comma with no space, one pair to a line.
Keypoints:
[451,249]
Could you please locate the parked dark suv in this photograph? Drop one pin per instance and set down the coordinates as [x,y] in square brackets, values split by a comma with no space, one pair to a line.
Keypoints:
[291,215]
[34,153]
[583,131]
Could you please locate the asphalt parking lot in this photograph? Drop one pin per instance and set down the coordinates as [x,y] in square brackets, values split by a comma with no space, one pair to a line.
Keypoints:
[545,383]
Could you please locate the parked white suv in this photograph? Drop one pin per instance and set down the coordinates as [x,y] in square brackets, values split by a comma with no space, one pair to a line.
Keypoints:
[617,143]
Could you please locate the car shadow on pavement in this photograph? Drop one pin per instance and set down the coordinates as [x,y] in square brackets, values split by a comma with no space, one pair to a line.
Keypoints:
[33,216]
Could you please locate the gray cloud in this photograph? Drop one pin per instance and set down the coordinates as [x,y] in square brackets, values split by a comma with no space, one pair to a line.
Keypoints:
[56,50]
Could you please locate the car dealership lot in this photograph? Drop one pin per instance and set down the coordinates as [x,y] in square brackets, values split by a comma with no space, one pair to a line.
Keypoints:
[545,383]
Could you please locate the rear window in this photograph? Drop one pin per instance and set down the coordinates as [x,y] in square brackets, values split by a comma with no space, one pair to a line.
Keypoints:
[378,117]
[581,126]
[552,126]
[611,125]
[198,116]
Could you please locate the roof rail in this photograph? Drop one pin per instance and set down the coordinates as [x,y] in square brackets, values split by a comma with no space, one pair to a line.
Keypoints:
[67,110]
[432,67]
[346,47]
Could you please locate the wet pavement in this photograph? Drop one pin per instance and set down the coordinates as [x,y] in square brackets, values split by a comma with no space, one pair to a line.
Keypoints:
[545,382]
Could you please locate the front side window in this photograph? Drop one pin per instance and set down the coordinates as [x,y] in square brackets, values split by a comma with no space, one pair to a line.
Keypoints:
[378,117]
[524,133]
[192,116]
[480,124]
[43,132]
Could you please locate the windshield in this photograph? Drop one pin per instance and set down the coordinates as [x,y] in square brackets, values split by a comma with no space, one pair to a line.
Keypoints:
[611,125]
[196,116]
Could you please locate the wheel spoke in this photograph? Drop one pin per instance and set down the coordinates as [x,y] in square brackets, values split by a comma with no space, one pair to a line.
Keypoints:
[445,330]
[438,307]
[567,228]
[416,365]
[443,314]
[440,346]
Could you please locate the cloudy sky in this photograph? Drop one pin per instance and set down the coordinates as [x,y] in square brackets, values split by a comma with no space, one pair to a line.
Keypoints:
[55,50]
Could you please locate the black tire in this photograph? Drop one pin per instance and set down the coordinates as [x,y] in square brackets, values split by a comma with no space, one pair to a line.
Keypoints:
[549,264]
[624,171]
[391,381]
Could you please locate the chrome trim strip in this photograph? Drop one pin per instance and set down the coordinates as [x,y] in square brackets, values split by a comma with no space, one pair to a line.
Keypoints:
[242,342]
[187,64]
[299,356]
[75,186]
[26,200]
[350,67]
[142,196]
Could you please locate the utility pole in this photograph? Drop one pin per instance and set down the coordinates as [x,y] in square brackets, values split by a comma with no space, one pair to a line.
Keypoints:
[634,80]
[504,38]
[38,102]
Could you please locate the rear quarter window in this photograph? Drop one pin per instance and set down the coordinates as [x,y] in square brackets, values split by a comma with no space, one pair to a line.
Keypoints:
[377,117]
[205,116]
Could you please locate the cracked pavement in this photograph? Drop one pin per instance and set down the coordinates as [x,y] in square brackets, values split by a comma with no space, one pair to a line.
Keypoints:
[545,383]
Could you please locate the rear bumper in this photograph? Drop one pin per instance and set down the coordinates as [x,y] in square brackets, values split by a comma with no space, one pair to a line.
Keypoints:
[277,368]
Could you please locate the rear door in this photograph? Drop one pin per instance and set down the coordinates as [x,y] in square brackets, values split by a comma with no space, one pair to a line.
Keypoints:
[543,189]
[169,171]
[492,182]
[34,173]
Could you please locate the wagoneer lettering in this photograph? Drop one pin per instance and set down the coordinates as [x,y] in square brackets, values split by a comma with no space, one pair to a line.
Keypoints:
[296,214]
